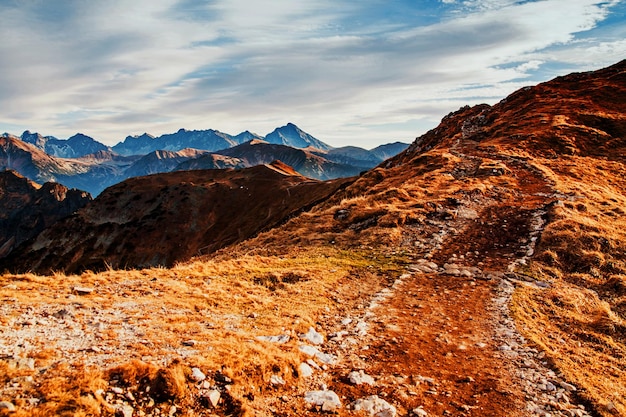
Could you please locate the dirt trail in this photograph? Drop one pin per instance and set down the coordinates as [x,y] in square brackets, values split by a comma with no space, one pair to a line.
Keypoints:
[437,349]
[440,341]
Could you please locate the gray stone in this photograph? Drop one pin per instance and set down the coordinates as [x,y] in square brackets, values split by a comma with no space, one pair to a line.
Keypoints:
[424,266]
[277,380]
[361,328]
[309,350]
[197,375]
[313,337]
[326,358]
[315,352]
[280,339]
[466,273]
[305,370]
[360,377]
[374,406]
[7,407]
[567,387]
[452,269]
[420,412]
[429,381]
[328,400]
[83,290]
[313,365]
[124,411]
[214,397]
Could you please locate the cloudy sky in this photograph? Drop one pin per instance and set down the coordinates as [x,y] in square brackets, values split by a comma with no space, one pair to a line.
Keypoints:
[358,72]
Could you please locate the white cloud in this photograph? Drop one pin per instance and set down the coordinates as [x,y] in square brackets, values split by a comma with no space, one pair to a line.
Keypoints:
[113,68]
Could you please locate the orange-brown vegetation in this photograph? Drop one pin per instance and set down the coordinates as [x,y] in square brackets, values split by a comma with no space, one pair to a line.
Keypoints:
[529,192]
[581,320]
[145,317]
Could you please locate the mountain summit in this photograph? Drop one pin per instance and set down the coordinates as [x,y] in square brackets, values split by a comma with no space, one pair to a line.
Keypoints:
[292,135]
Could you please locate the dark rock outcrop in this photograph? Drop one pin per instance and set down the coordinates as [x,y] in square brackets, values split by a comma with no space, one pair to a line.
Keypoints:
[27,208]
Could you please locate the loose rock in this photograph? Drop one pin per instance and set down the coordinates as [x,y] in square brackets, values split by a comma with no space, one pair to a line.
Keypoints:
[420,412]
[313,337]
[124,411]
[315,352]
[277,380]
[305,370]
[280,339]
[7,407]
[360,377]
[214,397]
[328,400]
[375,406]
[197,375]
[83,290]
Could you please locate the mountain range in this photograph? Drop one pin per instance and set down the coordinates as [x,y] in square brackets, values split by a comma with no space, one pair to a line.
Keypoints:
[84,163]
[196,175]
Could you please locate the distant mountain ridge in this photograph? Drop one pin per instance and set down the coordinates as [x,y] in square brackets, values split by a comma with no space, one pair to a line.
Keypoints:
[208,140]
[84,163]
[213,140]
[74,147]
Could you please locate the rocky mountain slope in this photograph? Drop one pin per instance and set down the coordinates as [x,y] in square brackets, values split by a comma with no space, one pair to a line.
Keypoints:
[140,222]
[27,208]
[480,272]
[92,173]
[305,162]
[527,195]
[161,161]
[29,161]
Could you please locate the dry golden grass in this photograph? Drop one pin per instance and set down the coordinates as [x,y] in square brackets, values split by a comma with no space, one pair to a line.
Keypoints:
[221,304]
[580,320]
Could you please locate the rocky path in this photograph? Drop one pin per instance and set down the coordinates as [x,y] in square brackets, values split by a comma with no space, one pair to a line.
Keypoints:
[441,341]
[439,344]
